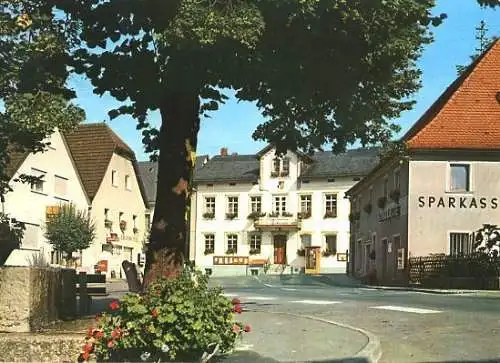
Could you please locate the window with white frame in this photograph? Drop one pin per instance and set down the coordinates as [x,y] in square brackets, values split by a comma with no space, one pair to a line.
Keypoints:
[331,205]
[210,205]
[38,185]
[232,244]
[279,204]
[305,204]
[305,240]
[256,204]
[255,243]
[281,166]
[31,236]
[60,186]
[128,182]
[209,243]
[114,178]
[331,243]
[232,206]
[459,178]
[460,243]
[276,167]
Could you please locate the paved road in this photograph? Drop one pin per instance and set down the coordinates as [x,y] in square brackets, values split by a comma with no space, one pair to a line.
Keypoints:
[412,326]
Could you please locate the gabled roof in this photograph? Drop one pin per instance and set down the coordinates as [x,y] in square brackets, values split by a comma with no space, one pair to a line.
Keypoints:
[467,114]
[16,159]
[271,146]
[355,162]
[148,171]
[92,146]
[229,168]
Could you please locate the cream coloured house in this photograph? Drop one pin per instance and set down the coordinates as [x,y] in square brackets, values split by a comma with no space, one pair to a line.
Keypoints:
[110,176]
[29,203]
[288,211]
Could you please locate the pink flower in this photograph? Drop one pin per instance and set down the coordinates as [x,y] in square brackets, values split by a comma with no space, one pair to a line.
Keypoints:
[90,332]
[154,313]
[116,333]
[235,301]
[111,344]
[247,329]
[237,309]
[99,334]
[88,348]
[114,305]
[85,356]
[236,328]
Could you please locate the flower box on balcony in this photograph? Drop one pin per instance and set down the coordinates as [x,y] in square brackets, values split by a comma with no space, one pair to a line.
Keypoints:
[275,174]
[231,251]
[108,223]
[304,215]
[209,252]
[330,214]
[284,173]
[286,214]
[256,215]
[254,251]
[274,215]
[231,215]
[328,253]
[135,230]
[123,225]
[209,215]
[395,194]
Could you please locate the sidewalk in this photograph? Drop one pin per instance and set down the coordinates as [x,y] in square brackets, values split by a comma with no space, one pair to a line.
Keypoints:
[279,337]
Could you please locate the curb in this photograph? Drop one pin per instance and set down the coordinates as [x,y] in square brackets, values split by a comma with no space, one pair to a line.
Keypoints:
[430,291]
[372,351]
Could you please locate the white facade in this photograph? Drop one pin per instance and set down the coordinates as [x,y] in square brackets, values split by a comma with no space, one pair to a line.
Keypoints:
[28,203]
[282,198]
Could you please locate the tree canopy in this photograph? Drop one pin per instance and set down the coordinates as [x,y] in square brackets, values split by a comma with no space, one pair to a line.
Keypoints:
[33,59]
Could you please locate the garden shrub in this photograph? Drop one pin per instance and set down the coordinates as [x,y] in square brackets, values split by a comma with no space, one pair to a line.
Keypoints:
[175,320]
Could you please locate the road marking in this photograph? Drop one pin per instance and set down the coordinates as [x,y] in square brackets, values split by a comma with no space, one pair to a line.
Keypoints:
[243,347]
[288,289]
[316,302]
[268,285]
[259,298]
[407,309]
[229,294]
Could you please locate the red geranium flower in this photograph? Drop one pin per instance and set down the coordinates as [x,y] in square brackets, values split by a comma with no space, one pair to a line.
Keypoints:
[85,356]
[90,331]
[247,329]
[111,344]
[88,348]
[235,301]
[99,334]
[115,305]
[236,328]
[116,333]
[237,309]
[154,313]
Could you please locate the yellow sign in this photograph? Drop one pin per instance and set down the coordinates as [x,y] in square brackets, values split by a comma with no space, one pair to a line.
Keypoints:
[51,212]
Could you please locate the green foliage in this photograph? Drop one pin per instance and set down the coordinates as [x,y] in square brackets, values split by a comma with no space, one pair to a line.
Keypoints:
[70,230]
[33,59]
[176,320]
[321,71]
[11,235]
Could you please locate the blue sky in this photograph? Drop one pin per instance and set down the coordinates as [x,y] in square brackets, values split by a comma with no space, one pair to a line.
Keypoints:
[232,125]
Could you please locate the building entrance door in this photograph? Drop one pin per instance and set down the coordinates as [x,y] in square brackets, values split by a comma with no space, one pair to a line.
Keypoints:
[279,249]
[312,260]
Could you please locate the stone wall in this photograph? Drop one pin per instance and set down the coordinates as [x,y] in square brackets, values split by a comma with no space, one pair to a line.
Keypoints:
[32,297]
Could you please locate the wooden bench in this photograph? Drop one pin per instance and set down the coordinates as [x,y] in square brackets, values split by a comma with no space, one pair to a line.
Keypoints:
[87,286]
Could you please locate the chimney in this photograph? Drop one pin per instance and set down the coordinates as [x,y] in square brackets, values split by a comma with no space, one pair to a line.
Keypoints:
[223,151]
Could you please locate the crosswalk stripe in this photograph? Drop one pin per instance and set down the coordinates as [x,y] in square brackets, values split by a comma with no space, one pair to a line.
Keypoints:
[406,309]
[316,302]
[288,289]
[229,294]
[259,298]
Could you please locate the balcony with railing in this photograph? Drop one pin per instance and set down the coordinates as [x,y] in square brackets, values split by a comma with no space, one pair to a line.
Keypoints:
[277,221]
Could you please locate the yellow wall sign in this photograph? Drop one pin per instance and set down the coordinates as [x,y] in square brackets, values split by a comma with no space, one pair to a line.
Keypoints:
[230,260]
[51,211]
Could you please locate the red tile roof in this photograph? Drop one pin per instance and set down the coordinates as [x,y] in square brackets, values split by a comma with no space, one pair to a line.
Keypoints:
[467,114]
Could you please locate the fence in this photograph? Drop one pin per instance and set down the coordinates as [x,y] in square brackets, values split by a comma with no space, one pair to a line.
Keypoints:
[475,270]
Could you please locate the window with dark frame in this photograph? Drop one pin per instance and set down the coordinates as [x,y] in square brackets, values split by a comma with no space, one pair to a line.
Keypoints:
[305,203]
[331,243]
[285,167]
[38,185]
[256,242]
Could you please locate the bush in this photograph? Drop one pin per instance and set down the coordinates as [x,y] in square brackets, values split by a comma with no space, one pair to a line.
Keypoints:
[11,235]
[180,319]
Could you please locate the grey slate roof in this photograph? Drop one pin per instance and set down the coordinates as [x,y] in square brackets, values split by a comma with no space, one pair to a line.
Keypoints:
[148,171]
[229,168]
[355,162]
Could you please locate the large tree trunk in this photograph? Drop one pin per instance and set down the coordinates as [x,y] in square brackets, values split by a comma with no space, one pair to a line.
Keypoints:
[178,139]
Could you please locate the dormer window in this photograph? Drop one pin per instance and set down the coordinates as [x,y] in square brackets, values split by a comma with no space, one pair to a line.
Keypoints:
[281,167]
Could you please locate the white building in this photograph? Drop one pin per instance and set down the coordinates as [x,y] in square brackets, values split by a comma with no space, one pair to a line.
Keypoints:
[251,209]
[30,203]
[110,176]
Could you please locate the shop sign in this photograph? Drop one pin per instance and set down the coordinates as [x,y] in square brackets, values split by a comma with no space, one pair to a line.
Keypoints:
[230,260]
[389,213]
[455,202]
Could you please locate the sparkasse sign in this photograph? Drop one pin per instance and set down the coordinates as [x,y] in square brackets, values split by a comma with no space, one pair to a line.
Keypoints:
[457,202]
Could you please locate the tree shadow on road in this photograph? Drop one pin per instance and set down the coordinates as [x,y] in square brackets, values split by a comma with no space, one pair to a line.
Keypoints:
[493,360]
[250,356]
